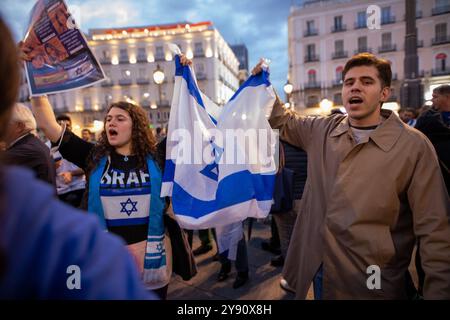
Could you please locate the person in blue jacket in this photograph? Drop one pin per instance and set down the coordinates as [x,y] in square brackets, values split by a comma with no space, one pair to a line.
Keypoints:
[49,250]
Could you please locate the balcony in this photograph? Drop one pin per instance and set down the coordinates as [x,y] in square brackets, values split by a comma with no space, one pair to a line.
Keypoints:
[387,48]
[338,28]
[360,24]
[124,59]
[339,55]
[163,103]
[125,82]
[311,32]
[312,85]
[141,59]
[199,54]
[160,57]
[440,40]
[145,103]
[363,49]
[440,72]
[107,83]
[440,10]
[143,81]
[312,58]
[387,20]
[105,60]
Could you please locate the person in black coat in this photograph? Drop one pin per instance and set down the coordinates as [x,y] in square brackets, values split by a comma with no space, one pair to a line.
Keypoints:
[435,124]
[297,160]
[24,148]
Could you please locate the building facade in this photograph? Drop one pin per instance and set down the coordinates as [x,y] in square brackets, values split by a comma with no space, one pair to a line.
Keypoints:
[241,52]
[130,56]
[324,34]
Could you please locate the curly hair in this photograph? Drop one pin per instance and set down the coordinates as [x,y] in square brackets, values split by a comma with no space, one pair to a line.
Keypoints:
[143,142]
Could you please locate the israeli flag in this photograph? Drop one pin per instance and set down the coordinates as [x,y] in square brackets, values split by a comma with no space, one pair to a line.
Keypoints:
[220,161]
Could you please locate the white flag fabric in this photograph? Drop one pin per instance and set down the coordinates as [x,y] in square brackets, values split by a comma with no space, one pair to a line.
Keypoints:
[220,161]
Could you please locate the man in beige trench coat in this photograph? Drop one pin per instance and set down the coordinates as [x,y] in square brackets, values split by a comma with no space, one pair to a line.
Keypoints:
[374,185]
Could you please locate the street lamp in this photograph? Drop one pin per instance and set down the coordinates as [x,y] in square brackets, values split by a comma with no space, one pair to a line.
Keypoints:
[288,87]
[158,77]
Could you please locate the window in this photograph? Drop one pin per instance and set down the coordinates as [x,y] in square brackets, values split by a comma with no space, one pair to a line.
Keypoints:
[441,31]
[338,23]
[386,39]
[310,26]
[141,53]
[312,76]
[385,15]
[361,21]
[159,52]
[123,54]
[311,50]
[441,61]
[339,73]
[337,98]
[362,44]
[339,46]
[198,48]
[200,71]
[105,54]
[442,3]
[87,101]
[108,98]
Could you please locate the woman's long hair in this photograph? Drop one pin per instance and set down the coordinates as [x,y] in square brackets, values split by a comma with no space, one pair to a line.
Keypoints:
[143,142]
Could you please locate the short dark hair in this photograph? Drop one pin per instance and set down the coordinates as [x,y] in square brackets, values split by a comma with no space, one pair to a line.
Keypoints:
[367,59]
[63,117]
[444,89]
[85,129]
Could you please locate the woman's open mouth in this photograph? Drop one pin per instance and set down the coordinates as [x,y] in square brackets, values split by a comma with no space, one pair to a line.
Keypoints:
[112,133]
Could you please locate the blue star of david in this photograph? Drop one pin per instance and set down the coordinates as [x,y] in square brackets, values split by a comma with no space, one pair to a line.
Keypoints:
[212,170]
[125,207]
[159,247]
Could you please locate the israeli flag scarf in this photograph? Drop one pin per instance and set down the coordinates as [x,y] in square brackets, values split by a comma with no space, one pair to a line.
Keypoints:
[207,189]
[155,264]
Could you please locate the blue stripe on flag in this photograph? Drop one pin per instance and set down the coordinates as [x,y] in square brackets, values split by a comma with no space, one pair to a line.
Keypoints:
[253,81]
[169,171]
[126,222]
[251,186]
[185,72]
[124,192]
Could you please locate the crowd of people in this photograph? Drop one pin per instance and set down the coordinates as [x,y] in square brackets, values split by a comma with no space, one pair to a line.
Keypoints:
[368,187]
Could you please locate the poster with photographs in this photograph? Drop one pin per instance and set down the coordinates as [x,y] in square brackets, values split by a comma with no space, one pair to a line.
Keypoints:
[59,56]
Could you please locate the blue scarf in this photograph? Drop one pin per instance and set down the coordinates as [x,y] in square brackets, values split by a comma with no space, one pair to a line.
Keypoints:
[155,266]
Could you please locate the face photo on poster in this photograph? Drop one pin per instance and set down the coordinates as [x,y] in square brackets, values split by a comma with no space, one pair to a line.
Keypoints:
[59,58]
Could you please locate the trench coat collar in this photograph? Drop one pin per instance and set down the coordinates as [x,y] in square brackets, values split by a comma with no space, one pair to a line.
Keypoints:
[384,136]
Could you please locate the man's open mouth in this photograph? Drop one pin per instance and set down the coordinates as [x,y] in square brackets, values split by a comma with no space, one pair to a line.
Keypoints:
[355,100]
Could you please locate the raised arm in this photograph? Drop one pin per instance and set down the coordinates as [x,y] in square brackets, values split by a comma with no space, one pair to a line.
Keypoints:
[45,118]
